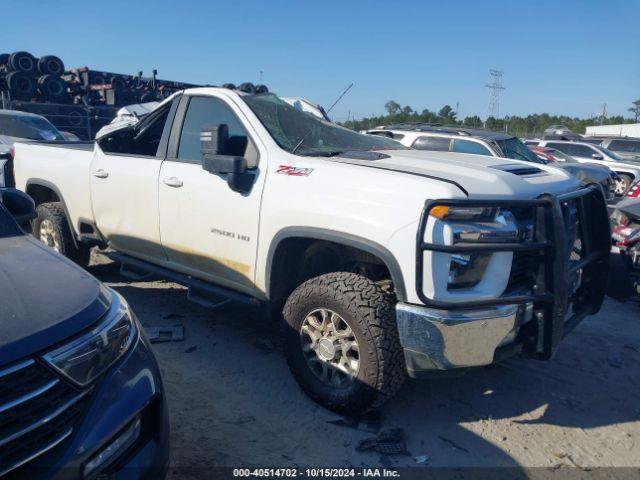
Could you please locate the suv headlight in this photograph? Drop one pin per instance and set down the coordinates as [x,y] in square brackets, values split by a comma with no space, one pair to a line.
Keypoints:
[84,359]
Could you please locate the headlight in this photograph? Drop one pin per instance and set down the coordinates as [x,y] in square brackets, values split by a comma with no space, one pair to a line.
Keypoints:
[466,270]
[84,359]
[463,213]
[477,225]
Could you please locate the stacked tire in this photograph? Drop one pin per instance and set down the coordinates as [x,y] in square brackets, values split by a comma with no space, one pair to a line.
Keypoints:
[27,77]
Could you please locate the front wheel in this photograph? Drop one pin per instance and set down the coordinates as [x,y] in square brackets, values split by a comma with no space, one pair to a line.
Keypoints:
[341,342]
[52,228]
[623,184]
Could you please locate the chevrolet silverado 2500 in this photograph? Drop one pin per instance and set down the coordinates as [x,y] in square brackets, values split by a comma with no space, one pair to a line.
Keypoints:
[382,261]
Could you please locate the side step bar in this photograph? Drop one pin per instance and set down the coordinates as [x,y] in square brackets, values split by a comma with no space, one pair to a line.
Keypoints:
[199,291]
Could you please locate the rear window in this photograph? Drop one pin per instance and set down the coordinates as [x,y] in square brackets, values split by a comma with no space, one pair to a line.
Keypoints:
[32,128]
[440,144]
[630,146]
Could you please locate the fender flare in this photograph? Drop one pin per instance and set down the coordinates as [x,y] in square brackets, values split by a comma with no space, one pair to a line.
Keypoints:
[340,238]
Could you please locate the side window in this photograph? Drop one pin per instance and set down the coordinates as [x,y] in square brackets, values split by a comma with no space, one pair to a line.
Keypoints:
[581,151]
[465,146]
[143,139]
[202,111]
[624,146]
[440,144]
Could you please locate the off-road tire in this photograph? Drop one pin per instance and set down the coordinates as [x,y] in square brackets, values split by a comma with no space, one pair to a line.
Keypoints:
[370,313]
[54,212]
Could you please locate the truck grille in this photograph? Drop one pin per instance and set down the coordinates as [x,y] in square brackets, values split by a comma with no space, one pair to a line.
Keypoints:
[523,270]
[38,411]
[560,258]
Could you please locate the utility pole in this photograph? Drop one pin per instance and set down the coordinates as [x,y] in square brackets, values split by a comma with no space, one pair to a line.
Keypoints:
[261,76]
[494,87]
[603,116]
[457,107]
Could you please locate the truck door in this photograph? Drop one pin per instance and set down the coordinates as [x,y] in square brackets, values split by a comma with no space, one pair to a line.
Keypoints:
[207,229]
[124,186]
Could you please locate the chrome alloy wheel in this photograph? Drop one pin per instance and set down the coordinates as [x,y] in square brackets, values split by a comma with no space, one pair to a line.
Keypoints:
[49,236]
[620,187]
[330,347]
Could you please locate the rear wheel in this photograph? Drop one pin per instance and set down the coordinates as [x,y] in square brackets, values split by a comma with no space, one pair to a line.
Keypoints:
[51,228]
[623,184]
[341,342]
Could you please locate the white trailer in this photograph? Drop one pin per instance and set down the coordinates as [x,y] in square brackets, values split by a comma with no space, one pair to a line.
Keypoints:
[624,130]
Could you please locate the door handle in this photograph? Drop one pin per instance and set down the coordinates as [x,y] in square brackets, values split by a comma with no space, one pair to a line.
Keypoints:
[101,173]
[173,182]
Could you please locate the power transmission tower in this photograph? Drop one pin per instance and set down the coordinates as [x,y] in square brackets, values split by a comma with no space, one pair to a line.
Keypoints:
[494,95]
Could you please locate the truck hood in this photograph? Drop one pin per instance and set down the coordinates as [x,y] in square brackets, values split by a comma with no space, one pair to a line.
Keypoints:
[478,176]
[44,298]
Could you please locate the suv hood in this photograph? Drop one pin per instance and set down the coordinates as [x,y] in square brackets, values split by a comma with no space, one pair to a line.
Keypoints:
[44,298]
[587,172]
[478,176]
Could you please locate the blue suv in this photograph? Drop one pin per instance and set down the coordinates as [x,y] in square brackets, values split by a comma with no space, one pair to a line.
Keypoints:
[80,391]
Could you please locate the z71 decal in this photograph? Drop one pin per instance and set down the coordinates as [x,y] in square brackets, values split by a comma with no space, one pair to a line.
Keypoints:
[294,171]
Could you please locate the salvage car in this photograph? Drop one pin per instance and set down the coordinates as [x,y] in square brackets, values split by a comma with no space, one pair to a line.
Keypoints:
[80,390]
[15,126]
[585,152]
[379,261]
[609,179]
[625,147]
[477,141]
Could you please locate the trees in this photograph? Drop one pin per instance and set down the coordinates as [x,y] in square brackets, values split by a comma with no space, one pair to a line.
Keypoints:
[473,121]
[530,126]
[392,108]
[636,110]
[447,114]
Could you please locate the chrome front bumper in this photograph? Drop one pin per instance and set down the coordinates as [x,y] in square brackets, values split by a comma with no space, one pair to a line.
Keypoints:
[443,340]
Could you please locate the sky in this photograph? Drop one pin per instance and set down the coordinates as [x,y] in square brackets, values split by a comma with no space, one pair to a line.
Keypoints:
[560,57]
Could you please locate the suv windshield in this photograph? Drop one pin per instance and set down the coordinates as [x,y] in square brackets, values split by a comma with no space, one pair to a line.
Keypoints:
[515,149]
[304,134]
[25,126]
[8,226]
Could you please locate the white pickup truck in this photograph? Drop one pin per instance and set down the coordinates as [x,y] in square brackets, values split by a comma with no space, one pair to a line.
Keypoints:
[382,261]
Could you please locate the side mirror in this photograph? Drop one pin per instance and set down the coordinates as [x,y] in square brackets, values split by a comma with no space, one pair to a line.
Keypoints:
[224,164]
[214,142]
[20,205]
[597,156]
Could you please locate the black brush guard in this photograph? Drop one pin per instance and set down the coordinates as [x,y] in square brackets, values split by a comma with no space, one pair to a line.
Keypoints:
[556,310]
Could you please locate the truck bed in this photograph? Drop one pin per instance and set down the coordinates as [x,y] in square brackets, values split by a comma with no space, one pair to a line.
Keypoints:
[65,166]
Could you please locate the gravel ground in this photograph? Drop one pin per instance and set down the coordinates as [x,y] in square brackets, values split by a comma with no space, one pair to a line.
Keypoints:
[234,403]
